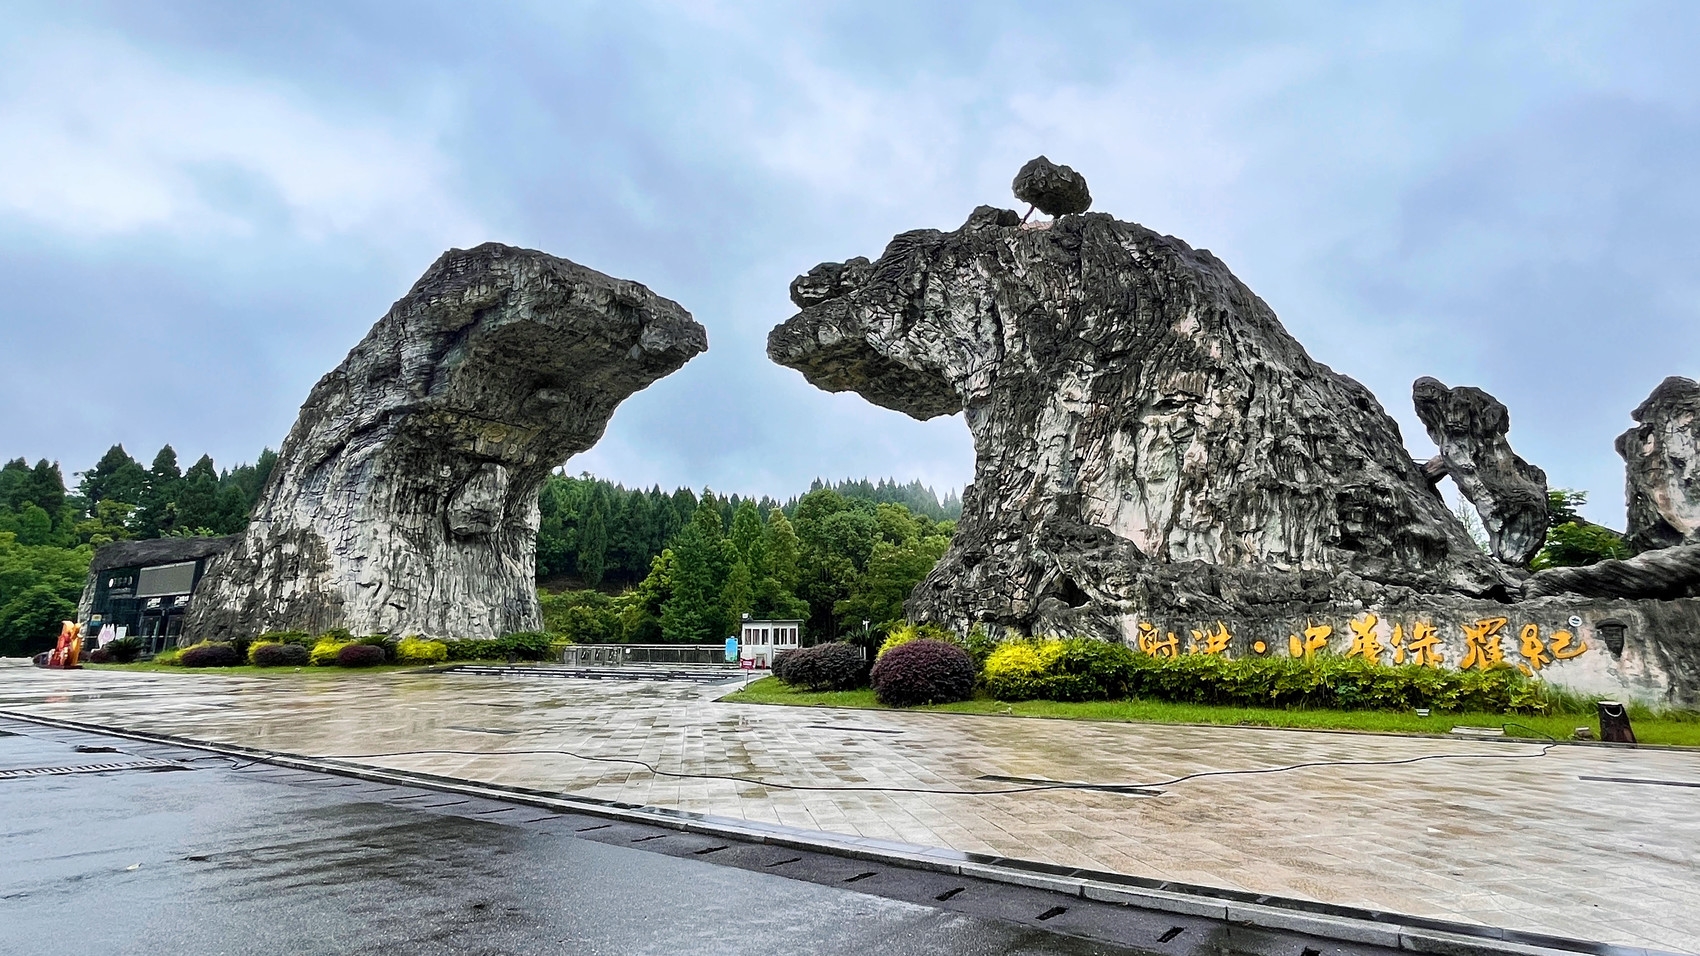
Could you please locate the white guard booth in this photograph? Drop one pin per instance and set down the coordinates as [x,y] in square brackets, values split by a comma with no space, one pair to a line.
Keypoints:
[761,640]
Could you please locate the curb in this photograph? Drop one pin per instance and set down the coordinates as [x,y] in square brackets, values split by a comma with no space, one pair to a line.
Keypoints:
[1233,908]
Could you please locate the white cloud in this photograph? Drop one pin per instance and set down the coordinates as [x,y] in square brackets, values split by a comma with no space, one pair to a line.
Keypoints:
[101,139]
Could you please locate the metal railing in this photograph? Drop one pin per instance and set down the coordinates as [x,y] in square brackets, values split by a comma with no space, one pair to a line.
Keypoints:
[619,655]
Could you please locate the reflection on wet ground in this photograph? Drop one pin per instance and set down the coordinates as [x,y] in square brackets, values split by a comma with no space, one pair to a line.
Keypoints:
[1552,844]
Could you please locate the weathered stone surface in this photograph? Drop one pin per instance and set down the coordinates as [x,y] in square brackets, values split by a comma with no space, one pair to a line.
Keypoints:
[1661,455]
[1148,438]
[1054,190]
[405,498]
[1661,574]
[1469,427]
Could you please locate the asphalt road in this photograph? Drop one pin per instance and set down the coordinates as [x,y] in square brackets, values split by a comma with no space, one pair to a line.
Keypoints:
[231,859]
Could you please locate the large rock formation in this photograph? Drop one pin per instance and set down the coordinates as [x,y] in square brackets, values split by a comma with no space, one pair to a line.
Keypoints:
[1147,436]
[1469,426]
[1053,190]
[1661,455]
[405,498]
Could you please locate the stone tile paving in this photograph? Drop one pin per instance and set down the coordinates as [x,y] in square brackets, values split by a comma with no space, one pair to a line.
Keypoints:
[1521,843]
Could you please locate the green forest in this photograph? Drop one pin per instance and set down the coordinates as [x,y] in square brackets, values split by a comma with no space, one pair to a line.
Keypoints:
[613,564]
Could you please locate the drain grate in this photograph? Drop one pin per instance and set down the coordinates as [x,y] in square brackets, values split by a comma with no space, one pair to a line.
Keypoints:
[1656,783]
[89,768]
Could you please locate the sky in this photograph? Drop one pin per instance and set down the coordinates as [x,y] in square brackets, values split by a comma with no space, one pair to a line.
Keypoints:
[203,206]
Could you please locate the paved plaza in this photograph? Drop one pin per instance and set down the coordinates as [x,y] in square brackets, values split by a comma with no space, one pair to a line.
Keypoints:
[1565,844]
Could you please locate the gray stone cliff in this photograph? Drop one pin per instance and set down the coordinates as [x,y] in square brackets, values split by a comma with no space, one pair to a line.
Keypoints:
[1147,435]
[1469,427]
[404,500]
[1661,456]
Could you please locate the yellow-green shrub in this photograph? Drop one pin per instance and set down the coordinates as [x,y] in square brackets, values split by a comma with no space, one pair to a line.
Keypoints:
[324,653]
[907,633]
[414,650]
[256,646]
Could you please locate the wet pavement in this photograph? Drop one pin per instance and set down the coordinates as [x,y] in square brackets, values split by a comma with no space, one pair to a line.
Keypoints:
[215,855]
[1493,833]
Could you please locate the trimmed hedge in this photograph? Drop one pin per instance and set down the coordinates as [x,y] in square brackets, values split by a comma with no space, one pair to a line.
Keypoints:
[834,666]
[413,650]
[360,655]
[208,654]
[1086,669]
[276,654]
[520,646]
[923,671]
[325,651]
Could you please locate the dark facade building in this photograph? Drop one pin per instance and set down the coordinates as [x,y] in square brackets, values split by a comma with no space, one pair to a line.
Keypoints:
[145,586]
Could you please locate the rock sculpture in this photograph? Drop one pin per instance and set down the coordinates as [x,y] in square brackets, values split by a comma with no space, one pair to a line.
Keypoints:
[405,498]
[1661,456]
[1053,190]
[1469,426]
[1146,433]
[1663,574]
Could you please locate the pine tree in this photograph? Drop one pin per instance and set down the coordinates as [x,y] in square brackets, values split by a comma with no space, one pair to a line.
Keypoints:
[593,546]
[116,477]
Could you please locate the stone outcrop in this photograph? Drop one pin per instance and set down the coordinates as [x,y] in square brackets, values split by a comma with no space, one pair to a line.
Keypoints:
[1147,435]
[1663,574]
[1661,456]
[1469,427]
[404,500]
[1053,190]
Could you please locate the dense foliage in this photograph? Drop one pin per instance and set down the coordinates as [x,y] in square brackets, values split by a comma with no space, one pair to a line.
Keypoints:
[923,672]
[270,654]
[360,655]
[207,654]
[1085,669]
[834,562]
[1573,541]
[48,534]
[831,666]
[412,650]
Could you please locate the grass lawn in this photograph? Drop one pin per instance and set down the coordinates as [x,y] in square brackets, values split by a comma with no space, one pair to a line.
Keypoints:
[1673,729]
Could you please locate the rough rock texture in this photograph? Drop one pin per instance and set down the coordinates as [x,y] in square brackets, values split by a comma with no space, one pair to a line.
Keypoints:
[405,498]
[1661,457]
[1147,436]
[1662,574]
[1054,190]
[1469,426]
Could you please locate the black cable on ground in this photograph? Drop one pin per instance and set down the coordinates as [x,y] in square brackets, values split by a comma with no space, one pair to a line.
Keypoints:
[1035,788]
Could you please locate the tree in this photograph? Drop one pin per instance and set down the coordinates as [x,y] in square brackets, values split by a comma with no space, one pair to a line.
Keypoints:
[1572,540]
[593,546]
[116,477]
[159,497]
[783,549]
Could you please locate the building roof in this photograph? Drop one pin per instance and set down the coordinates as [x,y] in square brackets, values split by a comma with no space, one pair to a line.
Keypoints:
[151,551]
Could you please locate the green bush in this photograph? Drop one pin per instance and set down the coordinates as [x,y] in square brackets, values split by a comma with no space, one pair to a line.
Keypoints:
[1084,669]
[325,651]
[977,644]
[125,649]
[472,649]
[288,637]
[413,650]
[1078,668]
[524,646]
[382,642]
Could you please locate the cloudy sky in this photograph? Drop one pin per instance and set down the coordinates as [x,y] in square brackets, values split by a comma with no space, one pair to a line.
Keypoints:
[203,207]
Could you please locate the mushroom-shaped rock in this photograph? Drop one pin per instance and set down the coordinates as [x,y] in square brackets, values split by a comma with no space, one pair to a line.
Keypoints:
[404,500]
[1147,435]
[1469,427]
[1661,457]
[1054,190]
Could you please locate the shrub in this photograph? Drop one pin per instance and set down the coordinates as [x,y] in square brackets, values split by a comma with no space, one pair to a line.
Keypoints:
[524,646]
[472,649]
[1078,668]
[923,671]
[274,654]
[288,637]
[781,661]
[382,642]
[325,652]
[208,654]
[337,635]
[125,649]
[360,655]
[413,650]
[168,656]
[834,666]
[908,633]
